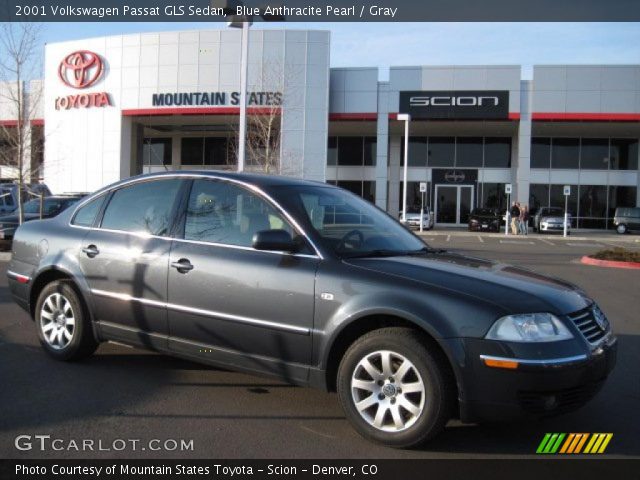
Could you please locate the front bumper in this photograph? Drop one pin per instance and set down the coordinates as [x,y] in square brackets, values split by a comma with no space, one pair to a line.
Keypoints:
[483,227]
[553,227]
[561,382]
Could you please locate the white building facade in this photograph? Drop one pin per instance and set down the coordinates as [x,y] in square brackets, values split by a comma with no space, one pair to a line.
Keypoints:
[124,105]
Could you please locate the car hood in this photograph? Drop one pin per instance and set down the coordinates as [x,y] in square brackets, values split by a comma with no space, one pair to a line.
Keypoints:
[552,218]
[514,289]
[484,217]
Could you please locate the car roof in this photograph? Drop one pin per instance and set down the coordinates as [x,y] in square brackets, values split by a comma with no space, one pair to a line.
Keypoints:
[257,179]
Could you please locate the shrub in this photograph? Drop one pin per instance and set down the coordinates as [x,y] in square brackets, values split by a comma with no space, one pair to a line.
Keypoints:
[617,254]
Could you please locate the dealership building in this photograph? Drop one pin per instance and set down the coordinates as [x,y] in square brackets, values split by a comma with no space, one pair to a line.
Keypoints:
[121,105]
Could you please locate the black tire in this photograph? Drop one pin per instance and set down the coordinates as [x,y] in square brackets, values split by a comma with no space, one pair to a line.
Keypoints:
[82,342]
[621,229]
[433,370]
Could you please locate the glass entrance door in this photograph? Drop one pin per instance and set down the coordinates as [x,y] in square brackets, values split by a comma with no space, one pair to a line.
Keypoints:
[453,204]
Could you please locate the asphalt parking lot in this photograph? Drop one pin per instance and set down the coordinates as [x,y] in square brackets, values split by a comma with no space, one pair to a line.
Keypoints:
[127,393]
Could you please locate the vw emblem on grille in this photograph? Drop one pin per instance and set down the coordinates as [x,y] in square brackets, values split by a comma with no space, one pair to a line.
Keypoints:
[600,318]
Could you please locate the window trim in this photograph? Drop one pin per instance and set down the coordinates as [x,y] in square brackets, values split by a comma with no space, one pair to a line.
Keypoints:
[187,178]
[181,218]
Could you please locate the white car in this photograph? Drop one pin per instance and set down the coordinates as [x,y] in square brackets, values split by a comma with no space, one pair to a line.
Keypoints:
[413,219]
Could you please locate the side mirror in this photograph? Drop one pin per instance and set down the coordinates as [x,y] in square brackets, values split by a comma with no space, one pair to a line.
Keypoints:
[274,240]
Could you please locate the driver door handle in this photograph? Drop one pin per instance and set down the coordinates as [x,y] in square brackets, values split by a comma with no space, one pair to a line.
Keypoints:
[91,251]
[183,265]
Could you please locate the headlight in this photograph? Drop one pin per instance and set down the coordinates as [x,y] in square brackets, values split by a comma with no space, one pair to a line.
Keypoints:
[529,327]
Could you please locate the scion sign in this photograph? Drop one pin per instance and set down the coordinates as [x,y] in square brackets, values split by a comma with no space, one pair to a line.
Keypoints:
[453,105]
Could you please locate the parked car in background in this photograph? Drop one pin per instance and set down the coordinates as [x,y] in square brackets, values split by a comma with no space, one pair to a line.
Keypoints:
[9,194]
[413,218]
[8,202]
[311,284]
[550,219]
[52,206]
[626,219]
[484,219]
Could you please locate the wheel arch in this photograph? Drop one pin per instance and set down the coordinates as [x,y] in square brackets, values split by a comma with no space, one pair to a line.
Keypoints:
[350,332]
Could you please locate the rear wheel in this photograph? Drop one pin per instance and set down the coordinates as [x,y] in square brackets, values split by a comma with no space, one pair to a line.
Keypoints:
[63,325]
[393,389]
[621,229]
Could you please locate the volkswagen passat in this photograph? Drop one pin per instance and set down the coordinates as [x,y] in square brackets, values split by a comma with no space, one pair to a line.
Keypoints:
[311,284]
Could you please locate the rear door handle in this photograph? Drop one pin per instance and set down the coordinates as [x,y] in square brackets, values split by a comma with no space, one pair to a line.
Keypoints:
[183,265]
[91,251]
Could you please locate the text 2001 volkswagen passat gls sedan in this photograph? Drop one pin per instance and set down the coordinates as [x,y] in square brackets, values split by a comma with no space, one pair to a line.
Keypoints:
[311,284]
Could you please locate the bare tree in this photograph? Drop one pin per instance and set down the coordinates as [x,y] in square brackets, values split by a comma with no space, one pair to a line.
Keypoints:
[263,144]
[20,61]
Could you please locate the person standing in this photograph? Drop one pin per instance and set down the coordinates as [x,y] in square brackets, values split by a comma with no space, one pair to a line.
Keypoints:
[515,217]
[524,220]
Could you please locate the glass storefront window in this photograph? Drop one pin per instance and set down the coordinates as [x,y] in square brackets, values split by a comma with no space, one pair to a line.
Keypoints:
[350,151]
[540,152]
[370,150]
[418,151]
[156,151]
[332,151]
[538,197]
[497,152]
[216,151]
[469,152]
[192,151]
[441,151]
[369,191]
[366,190]
[493,196]
[556,198]
[414,199]
[624,154]
[565,153]
[594,154]
[593,201]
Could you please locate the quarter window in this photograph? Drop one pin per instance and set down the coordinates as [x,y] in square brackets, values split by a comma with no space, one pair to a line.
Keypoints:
[86,215]
[220,212]
[142,208]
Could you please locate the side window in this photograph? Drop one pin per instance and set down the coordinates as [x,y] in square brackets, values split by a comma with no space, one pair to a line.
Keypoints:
[9,201]
[142,208]
[86,215]
[220,212]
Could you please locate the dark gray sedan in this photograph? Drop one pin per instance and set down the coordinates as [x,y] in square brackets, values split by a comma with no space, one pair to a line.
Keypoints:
[311,284]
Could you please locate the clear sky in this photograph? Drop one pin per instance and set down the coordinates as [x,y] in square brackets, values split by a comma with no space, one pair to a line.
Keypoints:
[389,44]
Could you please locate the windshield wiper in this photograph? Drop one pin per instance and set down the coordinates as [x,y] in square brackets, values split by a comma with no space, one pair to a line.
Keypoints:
[426,250]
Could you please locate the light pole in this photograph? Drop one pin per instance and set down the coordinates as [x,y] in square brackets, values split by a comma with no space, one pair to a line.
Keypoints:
[406,118]
[244,22]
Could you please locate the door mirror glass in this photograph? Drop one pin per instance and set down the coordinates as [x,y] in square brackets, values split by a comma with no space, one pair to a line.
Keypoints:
[274,240]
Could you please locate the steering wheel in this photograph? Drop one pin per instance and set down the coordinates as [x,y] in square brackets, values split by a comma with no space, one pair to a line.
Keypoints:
[349,234]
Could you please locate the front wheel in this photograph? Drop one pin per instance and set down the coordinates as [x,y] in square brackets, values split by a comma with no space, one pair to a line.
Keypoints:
[621,229]
[393,389]
[63,325]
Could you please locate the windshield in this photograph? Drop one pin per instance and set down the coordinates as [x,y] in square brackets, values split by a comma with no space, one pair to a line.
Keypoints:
[352,227]
[51,206]
[553,211]
[483,211]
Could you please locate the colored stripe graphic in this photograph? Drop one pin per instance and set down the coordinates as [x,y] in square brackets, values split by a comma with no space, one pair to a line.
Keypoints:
[573,443]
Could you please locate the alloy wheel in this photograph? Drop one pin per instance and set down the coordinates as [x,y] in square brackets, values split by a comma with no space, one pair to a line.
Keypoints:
[388,391]
[57,321]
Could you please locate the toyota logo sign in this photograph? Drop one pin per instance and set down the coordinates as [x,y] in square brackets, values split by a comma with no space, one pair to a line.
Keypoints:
[80,69]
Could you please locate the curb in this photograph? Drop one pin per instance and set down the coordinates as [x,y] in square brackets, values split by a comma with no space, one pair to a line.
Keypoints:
[609,263]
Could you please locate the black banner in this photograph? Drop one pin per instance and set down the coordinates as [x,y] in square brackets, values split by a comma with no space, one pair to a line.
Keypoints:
[456,104]
[508,469]
[314,11]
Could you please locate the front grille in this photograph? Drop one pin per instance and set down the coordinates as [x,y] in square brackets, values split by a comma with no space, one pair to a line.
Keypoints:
[560,401]
[586,322]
